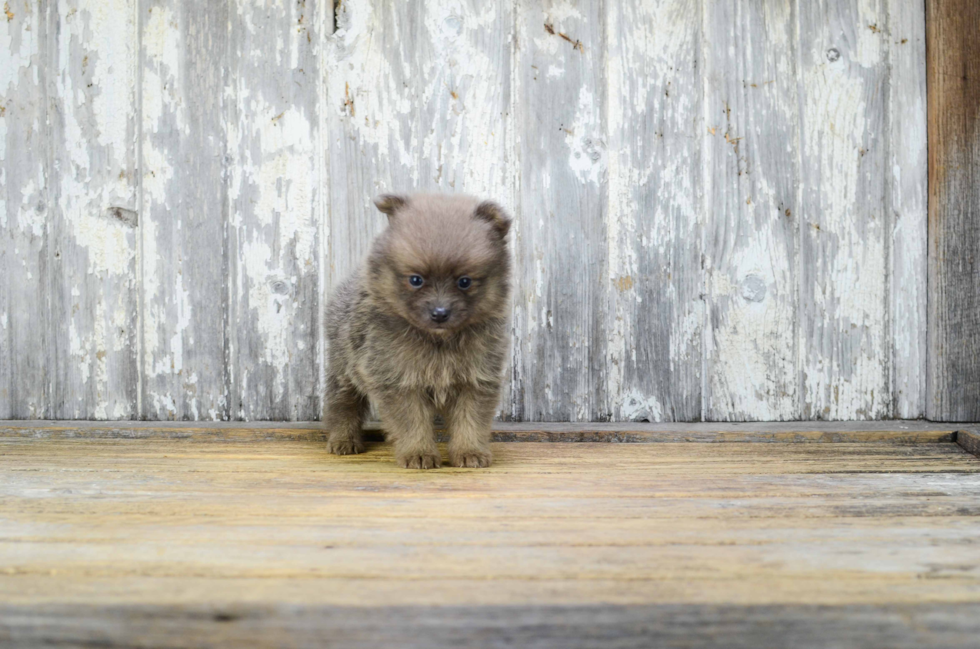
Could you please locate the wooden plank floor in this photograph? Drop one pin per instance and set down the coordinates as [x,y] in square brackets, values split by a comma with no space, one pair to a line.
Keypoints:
[236,542]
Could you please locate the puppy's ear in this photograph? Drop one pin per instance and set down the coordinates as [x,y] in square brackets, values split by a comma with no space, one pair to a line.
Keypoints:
[390,204]
[494,215]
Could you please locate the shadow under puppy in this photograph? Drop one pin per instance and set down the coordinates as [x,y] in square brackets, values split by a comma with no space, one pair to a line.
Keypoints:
[421,328]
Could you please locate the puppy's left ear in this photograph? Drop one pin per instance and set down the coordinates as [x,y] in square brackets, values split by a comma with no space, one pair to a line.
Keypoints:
[390,204]
[494,215]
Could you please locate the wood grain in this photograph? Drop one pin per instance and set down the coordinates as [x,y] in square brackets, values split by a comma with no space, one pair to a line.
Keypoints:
[969,440]
[954,211]
[184,251]
[463,72]
[844,226]
[559,342]
[952,626]
[232,538]
[751,179]
[26,201]
[907,206]
[652,309]
[274,189]
[720,208]
[93,220]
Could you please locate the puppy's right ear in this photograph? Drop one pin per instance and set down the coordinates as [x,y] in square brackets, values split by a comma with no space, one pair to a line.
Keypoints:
[390,204]
[494,215]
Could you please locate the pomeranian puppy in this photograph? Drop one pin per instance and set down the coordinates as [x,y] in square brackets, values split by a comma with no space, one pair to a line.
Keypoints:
[423,328]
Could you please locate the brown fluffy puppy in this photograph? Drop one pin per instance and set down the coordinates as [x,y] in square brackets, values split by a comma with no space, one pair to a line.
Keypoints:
[422,328]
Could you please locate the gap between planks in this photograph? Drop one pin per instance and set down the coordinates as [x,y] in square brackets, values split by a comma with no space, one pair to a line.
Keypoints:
[897,432]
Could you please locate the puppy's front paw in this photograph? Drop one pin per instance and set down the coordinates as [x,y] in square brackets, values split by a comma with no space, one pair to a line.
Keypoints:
[420,460]
[471,458]
[345,446]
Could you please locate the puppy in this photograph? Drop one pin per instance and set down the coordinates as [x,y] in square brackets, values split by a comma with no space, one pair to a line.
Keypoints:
[421,328]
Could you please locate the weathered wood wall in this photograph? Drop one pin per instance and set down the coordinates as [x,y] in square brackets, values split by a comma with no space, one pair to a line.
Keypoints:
[720,206]
[954,210]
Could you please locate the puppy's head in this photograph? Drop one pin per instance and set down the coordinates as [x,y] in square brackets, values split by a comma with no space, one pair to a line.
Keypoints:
[442,264]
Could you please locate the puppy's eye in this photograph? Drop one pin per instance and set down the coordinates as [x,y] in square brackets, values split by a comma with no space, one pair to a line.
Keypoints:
[416,281]
[464,283]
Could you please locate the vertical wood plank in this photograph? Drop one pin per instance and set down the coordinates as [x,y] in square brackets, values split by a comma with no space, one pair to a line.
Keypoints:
[464,57]
[907,178]
[653,311]
[184,247]
[273,189]
[751,180]
[844,241]
[93,223]
[954,210]
[25,205]
[560,233]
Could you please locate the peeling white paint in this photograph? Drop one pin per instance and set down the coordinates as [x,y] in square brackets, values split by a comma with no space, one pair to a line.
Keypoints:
[845,373]
[463,146]
[162,50]
[33,215]
[355,66]
[908,207]
[639,407]
[283,176]
[78,351]
[182,311]
[439,98]
[621,228]
[560,11]
[274,315]
[101,364]
[275,189]
[108,244]
[153,315]
[587,157]
[751,176]
[20,58]
[871,32]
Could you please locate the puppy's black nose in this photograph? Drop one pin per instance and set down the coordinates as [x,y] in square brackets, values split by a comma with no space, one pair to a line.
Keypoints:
[439,314]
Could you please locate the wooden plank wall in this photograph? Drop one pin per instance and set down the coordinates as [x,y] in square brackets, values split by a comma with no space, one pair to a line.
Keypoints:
[954,210]
[720,206]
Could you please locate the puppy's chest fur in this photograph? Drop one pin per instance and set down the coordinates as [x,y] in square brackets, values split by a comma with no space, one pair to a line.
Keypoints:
[391,356]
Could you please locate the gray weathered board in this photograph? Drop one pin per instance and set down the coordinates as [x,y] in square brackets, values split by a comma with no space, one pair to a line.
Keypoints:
[720,206]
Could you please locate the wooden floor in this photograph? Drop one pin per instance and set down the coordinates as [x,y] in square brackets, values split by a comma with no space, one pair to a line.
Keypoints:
[241,540]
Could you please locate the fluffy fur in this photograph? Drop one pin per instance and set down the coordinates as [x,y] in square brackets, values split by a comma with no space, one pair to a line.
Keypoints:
[387,347]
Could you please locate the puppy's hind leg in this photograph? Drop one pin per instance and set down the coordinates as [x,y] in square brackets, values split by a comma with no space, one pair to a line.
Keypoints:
[345,412]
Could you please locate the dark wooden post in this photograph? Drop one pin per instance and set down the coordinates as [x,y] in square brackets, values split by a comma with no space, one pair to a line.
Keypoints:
[953,53]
